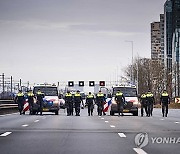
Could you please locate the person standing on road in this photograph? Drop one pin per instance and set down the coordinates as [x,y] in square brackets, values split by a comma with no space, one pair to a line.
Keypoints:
[164,100]
[90,103]
[40,97]
[69,103]
[143,104]
[19,99]
[77,101]
[150,103]
[30,97]
[120,99]
[100,99]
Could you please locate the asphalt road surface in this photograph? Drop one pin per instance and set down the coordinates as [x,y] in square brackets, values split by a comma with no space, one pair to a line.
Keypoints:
[61,134]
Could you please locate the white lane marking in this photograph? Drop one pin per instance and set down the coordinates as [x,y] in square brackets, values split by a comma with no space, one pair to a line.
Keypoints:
[102,118]
[139,151]
[177,122]
[36,121]
[5,134]
[99,116]
[121,134]
[106,121]
[161,119]
[2,115]
[24,125]
[112,126]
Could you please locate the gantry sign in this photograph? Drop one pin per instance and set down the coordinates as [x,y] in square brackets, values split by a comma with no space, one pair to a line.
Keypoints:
[82,83]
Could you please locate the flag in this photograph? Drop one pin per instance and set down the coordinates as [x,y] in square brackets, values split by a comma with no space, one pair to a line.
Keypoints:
[26,105]
[107,104]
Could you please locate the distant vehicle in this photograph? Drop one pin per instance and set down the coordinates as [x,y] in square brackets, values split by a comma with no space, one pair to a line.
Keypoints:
[131,99]
[51,102]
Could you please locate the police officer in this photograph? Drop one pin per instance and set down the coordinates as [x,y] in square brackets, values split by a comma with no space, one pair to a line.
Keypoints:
[90,103]
[30,97]
[77,102]
[165,100]
[150,102]
[40,97]
[100,99]
[19,99]
[69,103]
[143,104]
[120,99]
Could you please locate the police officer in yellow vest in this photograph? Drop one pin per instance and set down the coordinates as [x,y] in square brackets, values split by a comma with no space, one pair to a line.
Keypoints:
[120,99]
[40,97]
[30,97]
[77,102]
[69,103]
[100,100]
[90,103]
[150,102]
[165,100]
[143,104]
[19,99]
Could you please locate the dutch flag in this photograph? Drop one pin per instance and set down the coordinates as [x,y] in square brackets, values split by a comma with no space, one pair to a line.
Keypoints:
[107,104]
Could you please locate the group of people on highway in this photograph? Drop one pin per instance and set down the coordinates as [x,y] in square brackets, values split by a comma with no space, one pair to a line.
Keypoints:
[147,101]
[20,99]
[76,100]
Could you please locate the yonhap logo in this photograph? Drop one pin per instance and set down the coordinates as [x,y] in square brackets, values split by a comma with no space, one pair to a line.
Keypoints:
[141,140]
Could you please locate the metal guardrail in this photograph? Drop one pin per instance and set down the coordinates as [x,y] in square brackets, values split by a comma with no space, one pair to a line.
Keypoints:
[6,101]
[8,106]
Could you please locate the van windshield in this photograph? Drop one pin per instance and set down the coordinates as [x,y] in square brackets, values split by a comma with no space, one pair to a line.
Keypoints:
[48,91]
[127,91]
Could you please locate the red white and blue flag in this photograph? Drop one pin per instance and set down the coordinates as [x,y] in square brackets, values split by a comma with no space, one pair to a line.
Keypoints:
[107,104]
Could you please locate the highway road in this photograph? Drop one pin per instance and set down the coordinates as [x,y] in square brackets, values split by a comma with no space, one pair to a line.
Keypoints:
[61,134]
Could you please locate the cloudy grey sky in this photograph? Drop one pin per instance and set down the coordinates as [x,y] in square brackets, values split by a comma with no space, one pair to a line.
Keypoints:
[60,40]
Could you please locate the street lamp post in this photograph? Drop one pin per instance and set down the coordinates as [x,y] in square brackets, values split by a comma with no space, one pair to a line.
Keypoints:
[132,80]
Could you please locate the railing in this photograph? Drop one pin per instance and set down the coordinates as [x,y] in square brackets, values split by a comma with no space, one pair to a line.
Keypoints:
[7,106]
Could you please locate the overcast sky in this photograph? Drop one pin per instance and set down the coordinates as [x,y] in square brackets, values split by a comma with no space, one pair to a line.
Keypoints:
[61,40]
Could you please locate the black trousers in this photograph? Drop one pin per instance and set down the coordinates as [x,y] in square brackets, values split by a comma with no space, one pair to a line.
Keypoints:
[77,108]
[143,106]
[120,108]
[100,108]
[165,109]
[90,109]
[149,109]
[20,107]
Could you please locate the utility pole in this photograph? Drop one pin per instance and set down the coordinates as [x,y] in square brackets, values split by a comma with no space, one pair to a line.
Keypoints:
[132,78]
[11,83]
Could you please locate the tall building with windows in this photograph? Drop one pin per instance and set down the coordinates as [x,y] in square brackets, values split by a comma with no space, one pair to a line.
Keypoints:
[176,47]
[155,41]
[162,38]
[168,36]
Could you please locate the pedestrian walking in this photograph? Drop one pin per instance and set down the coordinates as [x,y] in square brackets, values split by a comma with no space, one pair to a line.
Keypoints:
[30,97]
[120,99]
[77,102]
[69,103]
[150,102]
[40,97]
[143,102]
[90,103]
[100,99]
[165,101]
[20,99]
